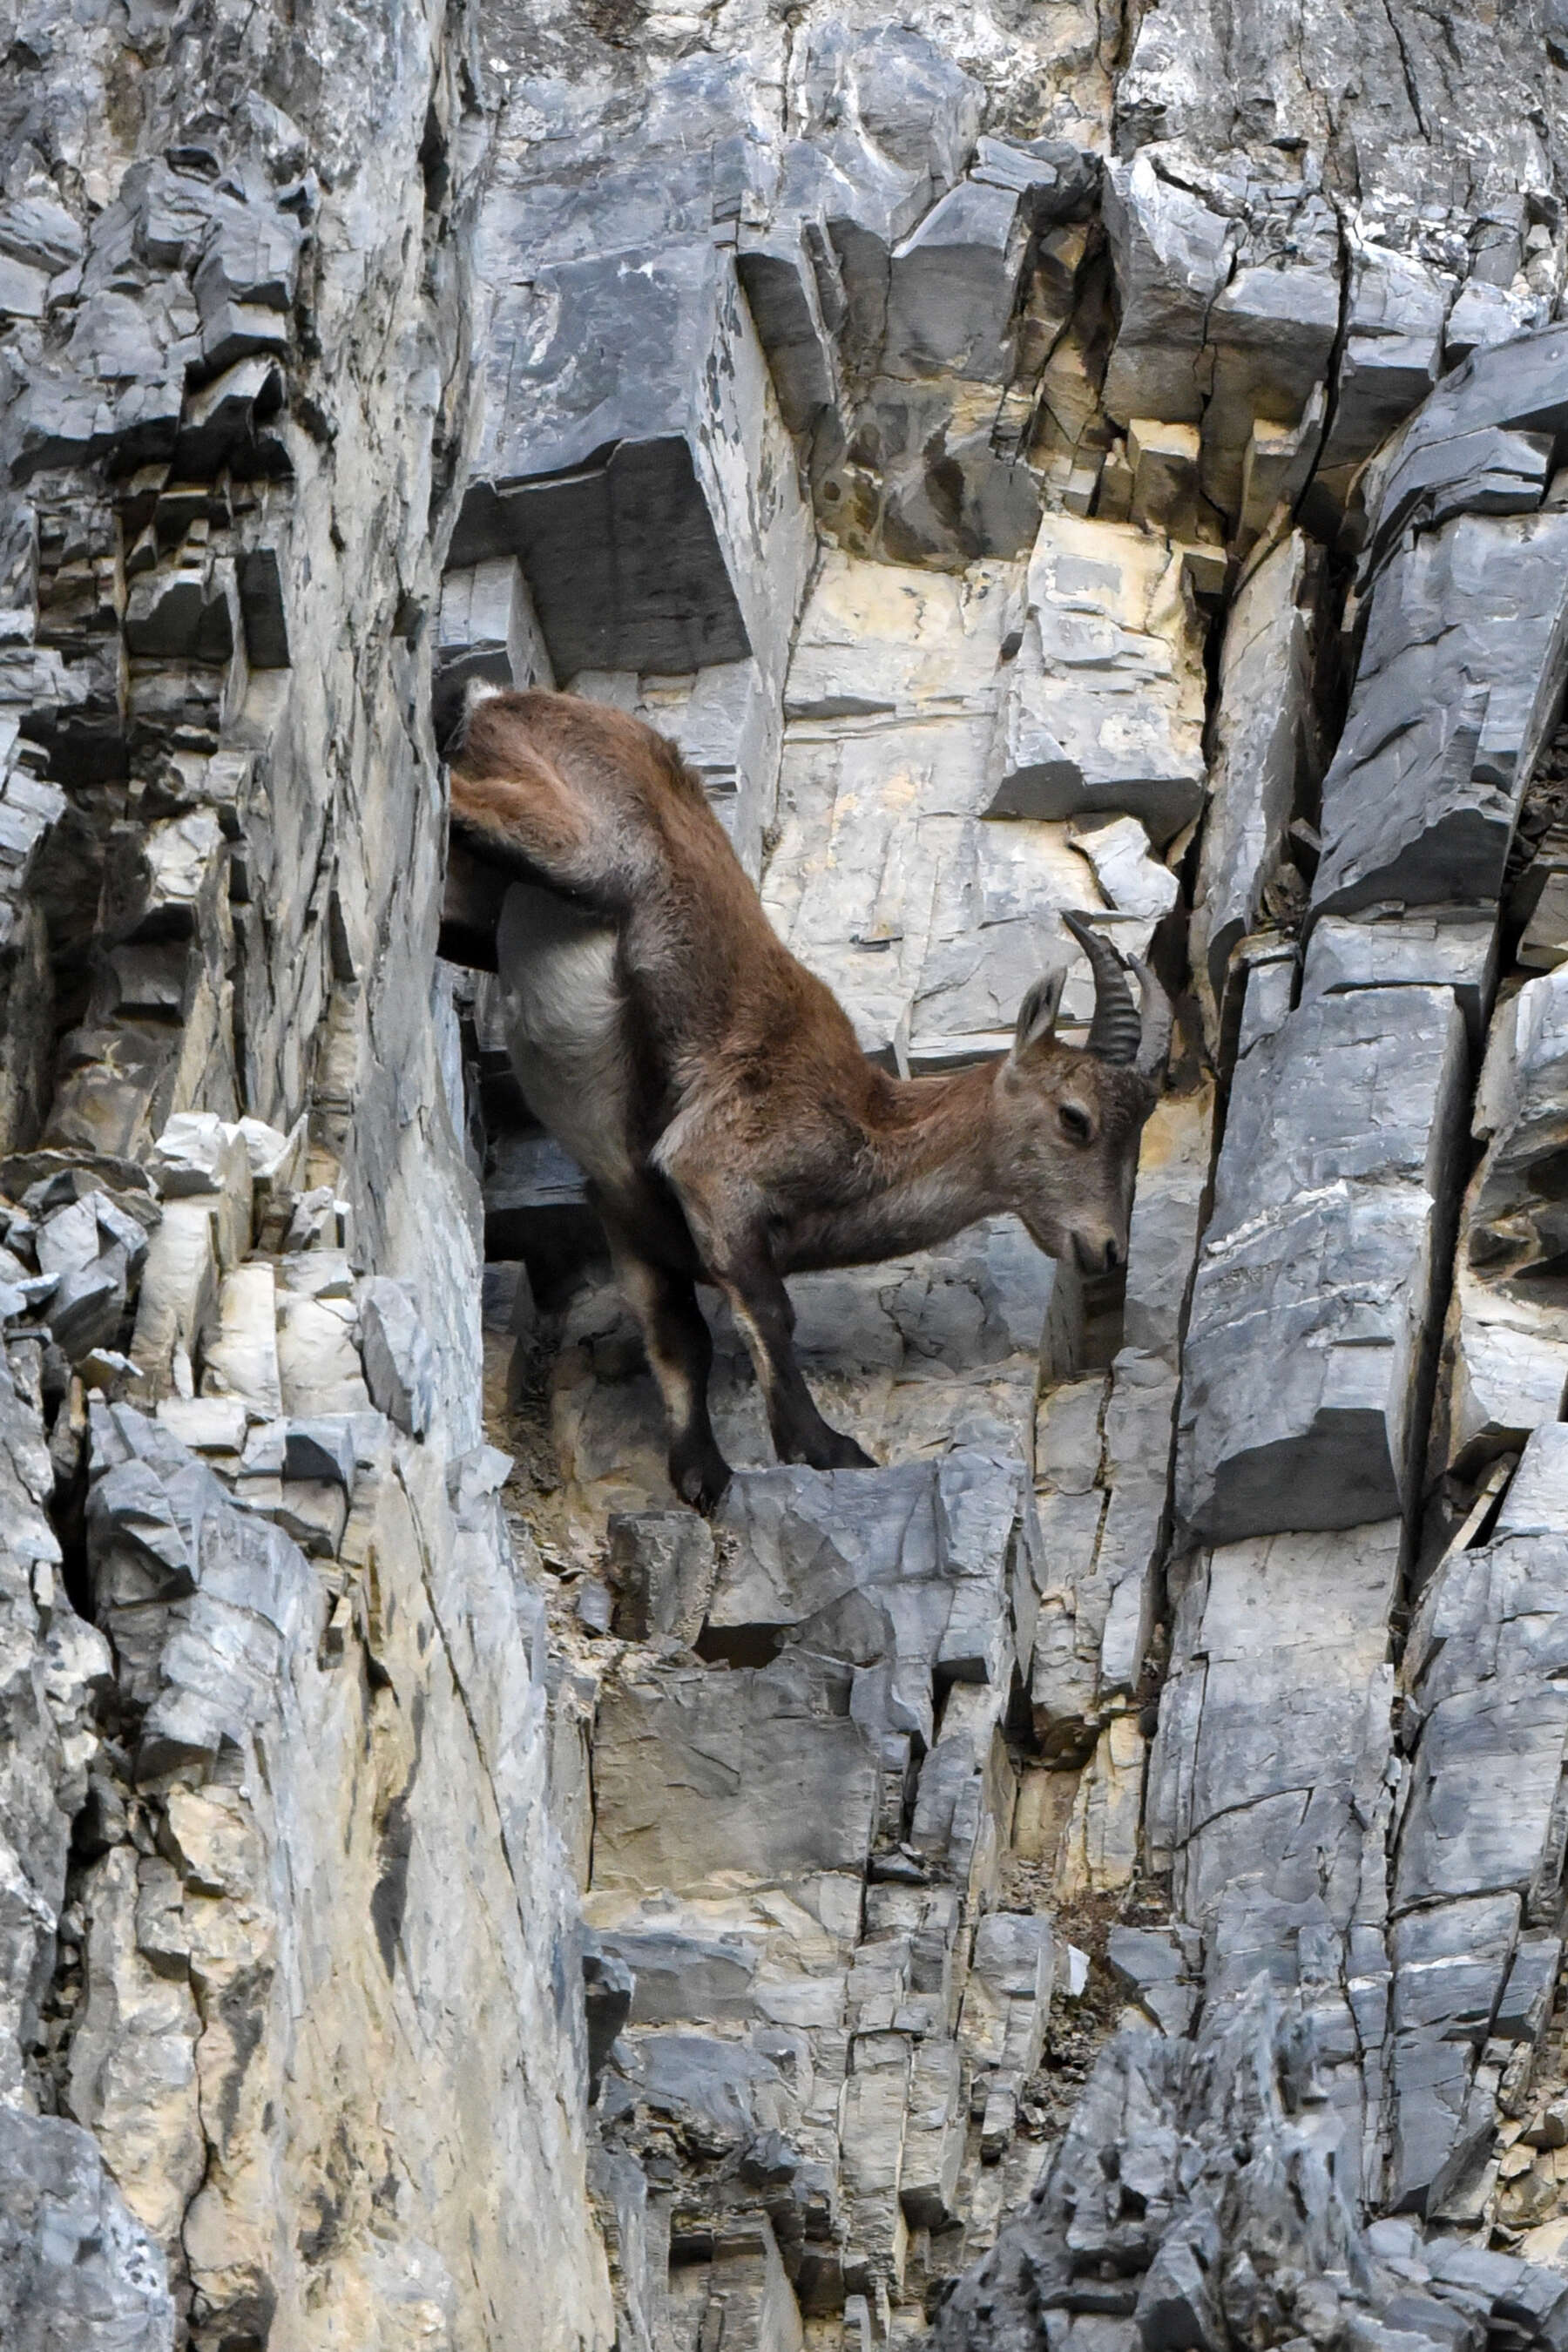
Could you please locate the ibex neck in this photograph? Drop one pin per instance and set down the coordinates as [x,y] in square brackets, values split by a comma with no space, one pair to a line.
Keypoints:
[928,1171]
[939,1122]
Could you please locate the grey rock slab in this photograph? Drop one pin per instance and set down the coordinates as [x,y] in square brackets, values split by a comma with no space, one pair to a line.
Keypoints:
[670,604]
[1392,339]
[1440,948]
[319,1364]
[86,1307]
[890,121]
[199,1155]
[1505,1354]
[1491,471]
[782,270]
[1172,255]
[933,2135]
[1138,1435]
[1142,1956]
[70,1241]
[242,1358]
[399,1361]
[184,610]
[1271,336]
[224,422]
[1102,1456]
[1173,1157]
[987,1541]
[662,1568]
[681,1976]
[630,424]
[1269,987]
[1462,663]
[1521,388]
[925,1568]
[178,1292]
[1483,315]
[1526,2002]
[1133,882]
[1265,738]
[1331,1297]
[952,286]
[1308,1328]
[1481,1810]
[704,1771]
[1278,1681]
[1484,1664]
[1102,708]
[77,2271]
[877,638]
[1536,1501]
[316,1450]
[963,1800]
[1450,1963]
[1065,1672]
[489,634]
[948,487]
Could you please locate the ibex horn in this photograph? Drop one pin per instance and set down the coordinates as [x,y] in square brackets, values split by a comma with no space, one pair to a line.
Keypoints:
[1154,1042]
[1116,1033]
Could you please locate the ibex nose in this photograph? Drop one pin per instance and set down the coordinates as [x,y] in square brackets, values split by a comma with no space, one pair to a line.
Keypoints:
[1096,1257]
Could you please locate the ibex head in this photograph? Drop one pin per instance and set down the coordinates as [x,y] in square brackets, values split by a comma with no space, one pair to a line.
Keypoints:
[1068,1117]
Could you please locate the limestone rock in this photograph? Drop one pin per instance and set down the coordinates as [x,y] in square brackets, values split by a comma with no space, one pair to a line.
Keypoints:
[1469,1875]
[1345,1118]
[75,2267]
[303,1827]
[763,1731]
[932,928]
[1450,948]
[1426,816]
[1271,333]
[952,284]
[398,1360]
[1507,1363]
[1172,257]
[1102,706]
[1264,732]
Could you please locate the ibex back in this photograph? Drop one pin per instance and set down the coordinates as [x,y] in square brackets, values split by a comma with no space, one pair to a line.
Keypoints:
[712,1090]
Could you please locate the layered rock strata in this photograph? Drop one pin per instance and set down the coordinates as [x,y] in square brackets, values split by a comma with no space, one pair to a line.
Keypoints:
[268,1647]
[1095,1879]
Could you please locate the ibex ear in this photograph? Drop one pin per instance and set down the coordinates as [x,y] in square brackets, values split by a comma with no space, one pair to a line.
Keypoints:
[1037,1013]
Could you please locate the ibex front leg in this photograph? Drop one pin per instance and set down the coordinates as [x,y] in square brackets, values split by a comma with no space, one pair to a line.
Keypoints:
[735,1252]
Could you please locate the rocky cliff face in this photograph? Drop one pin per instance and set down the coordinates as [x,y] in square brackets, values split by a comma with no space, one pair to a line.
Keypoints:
[1095,1881]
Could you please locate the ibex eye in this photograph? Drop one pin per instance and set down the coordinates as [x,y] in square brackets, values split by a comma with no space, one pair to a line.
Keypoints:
[1075,1121]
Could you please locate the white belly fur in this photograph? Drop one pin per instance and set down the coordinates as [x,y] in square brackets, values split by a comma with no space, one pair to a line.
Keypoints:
[563,1016]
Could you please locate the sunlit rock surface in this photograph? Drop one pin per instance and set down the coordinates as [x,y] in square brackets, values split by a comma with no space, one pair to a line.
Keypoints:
[1094,1881]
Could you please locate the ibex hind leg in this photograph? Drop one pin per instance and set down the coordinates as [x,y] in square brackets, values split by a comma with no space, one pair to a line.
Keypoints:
[680,1350]
[531,823]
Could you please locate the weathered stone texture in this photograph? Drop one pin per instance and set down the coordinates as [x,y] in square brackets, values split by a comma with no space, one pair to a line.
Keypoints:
[997,446]
[1306,1347]
[228,441]
[1266,733]
[1507,1355]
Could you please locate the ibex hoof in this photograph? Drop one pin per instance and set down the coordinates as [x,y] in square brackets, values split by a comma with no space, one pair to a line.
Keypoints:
[839,1453]
[700,1479]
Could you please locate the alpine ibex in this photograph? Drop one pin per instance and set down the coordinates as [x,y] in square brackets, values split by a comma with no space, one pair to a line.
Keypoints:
[711,1088]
